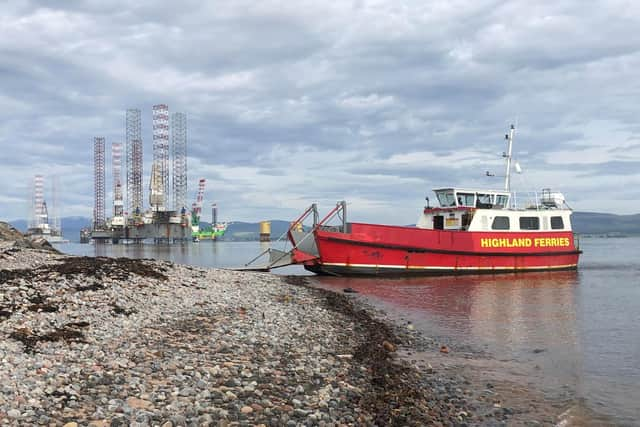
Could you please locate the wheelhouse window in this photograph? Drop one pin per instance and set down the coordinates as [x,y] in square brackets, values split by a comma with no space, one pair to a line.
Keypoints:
[557,223]
[446,198]
[466,199]
[484,201]
[500,223]
[502,200]
[529,223]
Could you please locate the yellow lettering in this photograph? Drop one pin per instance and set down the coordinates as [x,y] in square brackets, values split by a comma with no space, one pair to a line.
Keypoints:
[522,242]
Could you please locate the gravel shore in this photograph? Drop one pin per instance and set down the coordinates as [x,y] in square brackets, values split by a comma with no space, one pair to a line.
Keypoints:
[105,341]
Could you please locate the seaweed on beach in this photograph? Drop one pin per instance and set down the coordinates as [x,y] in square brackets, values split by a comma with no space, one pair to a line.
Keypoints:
[11,275]
[68,333]
[117,310]
[5,313]
[102,267]
[41,304]
[99,268]
[396,397]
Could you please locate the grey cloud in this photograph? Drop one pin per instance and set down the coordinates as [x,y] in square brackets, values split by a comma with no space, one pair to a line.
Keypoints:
[266,83]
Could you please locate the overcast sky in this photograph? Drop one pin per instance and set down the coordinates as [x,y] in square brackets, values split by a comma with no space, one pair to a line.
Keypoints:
[293,102]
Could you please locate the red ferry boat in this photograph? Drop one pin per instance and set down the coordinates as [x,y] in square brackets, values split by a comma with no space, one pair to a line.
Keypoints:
[471,231]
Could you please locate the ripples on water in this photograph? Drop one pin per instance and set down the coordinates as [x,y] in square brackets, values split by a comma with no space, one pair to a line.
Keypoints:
[578,329]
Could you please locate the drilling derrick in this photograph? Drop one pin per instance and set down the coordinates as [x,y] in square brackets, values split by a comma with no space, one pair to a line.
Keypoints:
[116,164]
[179,147]
[98,182]
[160,165]
[134,161]
[38,211]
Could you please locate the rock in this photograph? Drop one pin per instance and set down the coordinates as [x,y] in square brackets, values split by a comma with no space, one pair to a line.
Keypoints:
[444,349]
[390,347]
[178,421]
[136,403]
[246,409]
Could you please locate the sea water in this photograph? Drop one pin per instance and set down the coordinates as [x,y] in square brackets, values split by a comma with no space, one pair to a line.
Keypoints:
[580,330]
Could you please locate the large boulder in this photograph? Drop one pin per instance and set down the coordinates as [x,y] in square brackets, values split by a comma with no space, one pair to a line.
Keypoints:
[8,233]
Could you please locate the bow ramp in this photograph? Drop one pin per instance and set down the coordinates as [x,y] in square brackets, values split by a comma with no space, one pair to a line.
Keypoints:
[301,239]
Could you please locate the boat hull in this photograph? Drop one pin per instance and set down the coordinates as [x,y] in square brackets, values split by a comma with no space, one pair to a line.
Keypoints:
[370,249]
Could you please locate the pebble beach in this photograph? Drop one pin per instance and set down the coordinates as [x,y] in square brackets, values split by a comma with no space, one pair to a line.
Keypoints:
[117,341]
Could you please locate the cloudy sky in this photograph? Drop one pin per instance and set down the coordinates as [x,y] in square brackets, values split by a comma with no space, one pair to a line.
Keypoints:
[293,102]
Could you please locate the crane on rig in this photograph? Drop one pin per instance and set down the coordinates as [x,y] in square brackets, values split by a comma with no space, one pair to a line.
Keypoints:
[196,207]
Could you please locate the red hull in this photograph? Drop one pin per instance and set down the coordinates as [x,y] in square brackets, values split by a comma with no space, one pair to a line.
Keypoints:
[389,250]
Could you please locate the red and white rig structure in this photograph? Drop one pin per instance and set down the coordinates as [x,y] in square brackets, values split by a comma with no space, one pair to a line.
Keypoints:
[196,207]
[44,223]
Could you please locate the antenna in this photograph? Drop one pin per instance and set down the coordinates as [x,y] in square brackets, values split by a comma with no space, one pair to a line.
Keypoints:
[507,156]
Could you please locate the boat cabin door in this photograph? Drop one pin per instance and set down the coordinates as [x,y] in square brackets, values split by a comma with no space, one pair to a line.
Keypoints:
[438,222]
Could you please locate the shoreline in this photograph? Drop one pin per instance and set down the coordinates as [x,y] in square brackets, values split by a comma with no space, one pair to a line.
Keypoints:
[497,390]
[106,341]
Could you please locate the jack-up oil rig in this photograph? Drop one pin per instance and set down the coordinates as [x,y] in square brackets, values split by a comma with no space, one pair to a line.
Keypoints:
[165,220]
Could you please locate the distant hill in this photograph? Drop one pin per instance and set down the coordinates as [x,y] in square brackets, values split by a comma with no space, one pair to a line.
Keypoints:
[583,223]
[601,223]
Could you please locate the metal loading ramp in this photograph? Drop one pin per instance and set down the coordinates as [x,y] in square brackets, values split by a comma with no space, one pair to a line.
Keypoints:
[304,246]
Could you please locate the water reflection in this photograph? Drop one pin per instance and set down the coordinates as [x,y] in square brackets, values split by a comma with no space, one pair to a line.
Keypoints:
[512,313]
[529,318]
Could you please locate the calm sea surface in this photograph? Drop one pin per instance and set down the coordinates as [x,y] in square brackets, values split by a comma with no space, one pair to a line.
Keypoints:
[580,330]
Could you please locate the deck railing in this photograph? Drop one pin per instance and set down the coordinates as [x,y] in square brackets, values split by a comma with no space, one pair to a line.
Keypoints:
[538,200]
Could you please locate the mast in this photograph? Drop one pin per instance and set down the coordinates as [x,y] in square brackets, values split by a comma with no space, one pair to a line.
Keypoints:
[507,156]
